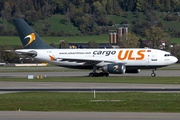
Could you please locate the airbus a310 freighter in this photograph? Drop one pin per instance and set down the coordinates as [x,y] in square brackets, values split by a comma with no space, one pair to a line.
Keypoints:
[110,61]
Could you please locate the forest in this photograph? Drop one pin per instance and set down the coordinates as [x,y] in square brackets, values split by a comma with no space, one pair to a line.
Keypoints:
[90,16]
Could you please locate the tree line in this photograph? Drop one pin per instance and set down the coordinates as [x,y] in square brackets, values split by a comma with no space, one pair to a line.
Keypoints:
[90,16]
[44,8]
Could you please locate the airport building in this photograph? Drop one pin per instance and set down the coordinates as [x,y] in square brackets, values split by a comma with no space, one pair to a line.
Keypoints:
[115,36]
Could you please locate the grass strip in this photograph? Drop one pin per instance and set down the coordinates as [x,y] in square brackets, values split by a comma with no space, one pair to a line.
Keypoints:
[63,101]
[140,80]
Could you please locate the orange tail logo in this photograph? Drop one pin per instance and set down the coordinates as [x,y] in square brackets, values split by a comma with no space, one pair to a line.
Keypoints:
[52,58]
[32,37]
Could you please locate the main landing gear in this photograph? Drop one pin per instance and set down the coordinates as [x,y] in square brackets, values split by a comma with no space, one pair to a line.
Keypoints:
[95,74]
[153,73]
[101,74]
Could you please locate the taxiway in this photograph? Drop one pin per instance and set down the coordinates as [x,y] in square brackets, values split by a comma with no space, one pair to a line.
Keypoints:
[143,73]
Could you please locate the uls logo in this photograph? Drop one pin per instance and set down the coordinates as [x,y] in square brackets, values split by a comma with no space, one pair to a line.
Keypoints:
[128,55]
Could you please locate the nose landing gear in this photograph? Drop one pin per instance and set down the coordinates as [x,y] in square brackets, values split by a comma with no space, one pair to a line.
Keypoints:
[153,73]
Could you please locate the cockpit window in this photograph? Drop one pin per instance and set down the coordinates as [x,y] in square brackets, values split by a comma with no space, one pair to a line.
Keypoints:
[167,55]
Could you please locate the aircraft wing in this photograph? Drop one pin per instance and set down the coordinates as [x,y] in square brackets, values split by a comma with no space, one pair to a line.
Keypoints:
[90,60]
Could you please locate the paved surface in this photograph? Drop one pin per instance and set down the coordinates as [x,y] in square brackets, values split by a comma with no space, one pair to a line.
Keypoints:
[85,74]
[72,85]
[6,87]
[80,73]
[52,68]
[22,115]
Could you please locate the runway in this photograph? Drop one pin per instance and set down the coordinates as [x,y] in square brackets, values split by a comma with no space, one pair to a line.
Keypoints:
[6,87]
[143,73]
[80,73]
[37,115]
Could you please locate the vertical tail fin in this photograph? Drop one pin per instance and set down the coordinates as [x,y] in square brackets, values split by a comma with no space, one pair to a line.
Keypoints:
[28,36]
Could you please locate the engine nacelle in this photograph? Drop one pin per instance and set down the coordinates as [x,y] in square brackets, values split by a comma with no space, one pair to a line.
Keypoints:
[115,68]
[132,70]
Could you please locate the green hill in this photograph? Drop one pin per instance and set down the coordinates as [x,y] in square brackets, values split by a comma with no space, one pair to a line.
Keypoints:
[57,24]
[130,17]
[13,41]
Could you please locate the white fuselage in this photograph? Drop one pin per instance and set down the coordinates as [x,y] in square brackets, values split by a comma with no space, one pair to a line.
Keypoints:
[86,58]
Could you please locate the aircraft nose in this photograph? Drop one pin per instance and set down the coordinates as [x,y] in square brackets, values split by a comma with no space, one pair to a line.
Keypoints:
[175,59]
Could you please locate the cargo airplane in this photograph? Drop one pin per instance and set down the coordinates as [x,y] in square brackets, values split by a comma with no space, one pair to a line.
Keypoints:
[114,61]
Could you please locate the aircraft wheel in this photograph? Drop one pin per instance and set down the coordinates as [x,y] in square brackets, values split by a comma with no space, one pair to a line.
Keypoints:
[101,74]
[90,74]
[153,74]
[106,74]
[96,74]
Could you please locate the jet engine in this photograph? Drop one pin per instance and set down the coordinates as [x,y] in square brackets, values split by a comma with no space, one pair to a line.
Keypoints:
[132,70]
[114,68]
